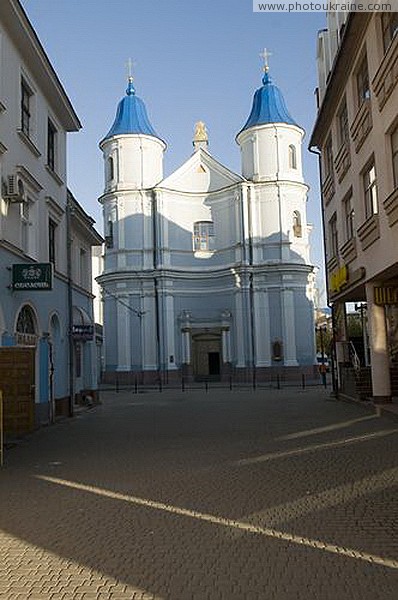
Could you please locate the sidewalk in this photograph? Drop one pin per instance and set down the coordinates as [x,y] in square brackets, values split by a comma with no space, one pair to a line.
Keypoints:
[243,495]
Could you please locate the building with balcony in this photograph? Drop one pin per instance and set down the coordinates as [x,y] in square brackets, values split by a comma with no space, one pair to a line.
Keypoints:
[46,316]
[356,134]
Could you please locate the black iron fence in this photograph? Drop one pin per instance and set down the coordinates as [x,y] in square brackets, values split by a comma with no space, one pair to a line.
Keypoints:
[277,382]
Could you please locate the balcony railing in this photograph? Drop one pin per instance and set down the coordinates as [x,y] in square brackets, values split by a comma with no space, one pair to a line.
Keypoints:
[390,205]
[361,125]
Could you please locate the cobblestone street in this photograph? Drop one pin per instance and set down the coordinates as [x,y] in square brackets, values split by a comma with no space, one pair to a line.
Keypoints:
[242,495]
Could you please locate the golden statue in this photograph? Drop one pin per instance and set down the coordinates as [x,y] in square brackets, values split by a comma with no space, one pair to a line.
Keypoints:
[200,132]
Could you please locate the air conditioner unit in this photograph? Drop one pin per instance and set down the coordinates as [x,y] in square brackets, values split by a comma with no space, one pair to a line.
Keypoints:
[15,191]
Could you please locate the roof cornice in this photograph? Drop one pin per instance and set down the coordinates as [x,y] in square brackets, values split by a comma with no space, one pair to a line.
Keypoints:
[21,31]
[351,41]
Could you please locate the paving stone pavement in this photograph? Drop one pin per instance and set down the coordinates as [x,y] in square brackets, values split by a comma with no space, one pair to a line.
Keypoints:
[242,495]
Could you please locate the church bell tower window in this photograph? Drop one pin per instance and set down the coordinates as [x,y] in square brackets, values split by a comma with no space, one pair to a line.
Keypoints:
[111,169]
[297,230]
[203,236]
[292,157]
[109,235]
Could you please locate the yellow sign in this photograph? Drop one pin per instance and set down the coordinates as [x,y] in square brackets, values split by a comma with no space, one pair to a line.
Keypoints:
[386,295]
[339,279]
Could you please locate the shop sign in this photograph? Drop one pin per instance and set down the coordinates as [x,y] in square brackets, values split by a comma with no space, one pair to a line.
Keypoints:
[37,276]
[339,279]
[84,333]
[386,295]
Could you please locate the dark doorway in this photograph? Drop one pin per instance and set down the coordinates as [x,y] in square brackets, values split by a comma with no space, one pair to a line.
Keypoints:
[214,363]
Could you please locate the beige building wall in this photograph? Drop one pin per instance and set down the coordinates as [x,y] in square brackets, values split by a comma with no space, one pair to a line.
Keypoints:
[356,132]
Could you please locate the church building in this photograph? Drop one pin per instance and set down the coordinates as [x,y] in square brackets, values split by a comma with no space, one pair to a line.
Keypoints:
[207,272]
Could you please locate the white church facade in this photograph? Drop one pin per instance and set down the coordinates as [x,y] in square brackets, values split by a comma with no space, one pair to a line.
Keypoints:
[207,272]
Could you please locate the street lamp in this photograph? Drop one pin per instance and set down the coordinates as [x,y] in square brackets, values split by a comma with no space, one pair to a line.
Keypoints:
[321,329]
[361,308]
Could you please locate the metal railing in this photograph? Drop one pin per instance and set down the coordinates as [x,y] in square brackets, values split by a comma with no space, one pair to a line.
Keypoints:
[277,382]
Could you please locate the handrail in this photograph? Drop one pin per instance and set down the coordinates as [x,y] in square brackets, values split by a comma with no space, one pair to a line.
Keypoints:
[356,363]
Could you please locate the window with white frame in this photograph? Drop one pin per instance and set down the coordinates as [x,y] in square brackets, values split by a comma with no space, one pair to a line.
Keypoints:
[389,25]
[333,237]
[348,217]
[26,108]
[342,120]
[203,236]
[52,241]
[292,157]
[370,190]
[25,224]
[394,151]
[362,78]
[51,145]
[328,158]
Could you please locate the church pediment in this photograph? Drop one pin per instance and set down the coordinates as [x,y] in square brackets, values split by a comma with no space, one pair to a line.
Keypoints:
[201,173]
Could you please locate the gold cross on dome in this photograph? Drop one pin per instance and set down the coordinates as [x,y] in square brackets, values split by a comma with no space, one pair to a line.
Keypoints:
[265,54]
[129,66]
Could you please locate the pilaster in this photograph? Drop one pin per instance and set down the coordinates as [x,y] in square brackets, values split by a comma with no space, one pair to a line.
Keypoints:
[380,363]
[289,328]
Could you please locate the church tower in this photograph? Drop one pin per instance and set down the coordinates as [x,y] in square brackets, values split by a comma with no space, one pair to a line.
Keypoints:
[133,152]
[133,164]
[270,140]
[270,143]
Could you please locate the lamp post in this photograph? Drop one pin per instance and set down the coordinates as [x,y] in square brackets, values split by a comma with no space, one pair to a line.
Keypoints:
[322,367]
[321,329]
[361,307]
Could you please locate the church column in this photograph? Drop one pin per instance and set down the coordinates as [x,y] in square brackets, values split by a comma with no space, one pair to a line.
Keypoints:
[262,328]
[121,256]
[186,345]
[123,334]
[226,336]
[148,330]
[379,353]
[289,328]
[240,331]
[225,345]
[170,328]
[185,337]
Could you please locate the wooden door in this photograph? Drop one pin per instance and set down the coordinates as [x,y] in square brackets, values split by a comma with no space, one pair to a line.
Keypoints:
[17,382]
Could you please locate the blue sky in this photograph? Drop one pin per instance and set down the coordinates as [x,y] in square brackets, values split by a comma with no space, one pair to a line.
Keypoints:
[193,60]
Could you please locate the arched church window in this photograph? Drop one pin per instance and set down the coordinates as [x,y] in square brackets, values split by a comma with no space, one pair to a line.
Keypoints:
[297,229]
[292,157]
[203,236]
[277,350]
[109,235]
[26,327]
[111,169]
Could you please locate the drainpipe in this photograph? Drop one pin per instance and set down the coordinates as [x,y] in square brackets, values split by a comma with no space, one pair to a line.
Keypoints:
[279,195]
[69,210]
[155,280]
[251,291]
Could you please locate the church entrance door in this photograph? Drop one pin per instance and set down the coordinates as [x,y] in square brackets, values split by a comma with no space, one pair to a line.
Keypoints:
[214,363]
[206,355]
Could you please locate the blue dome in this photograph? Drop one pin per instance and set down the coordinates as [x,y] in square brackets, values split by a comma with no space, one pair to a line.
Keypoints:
[131,116]
[268,106]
